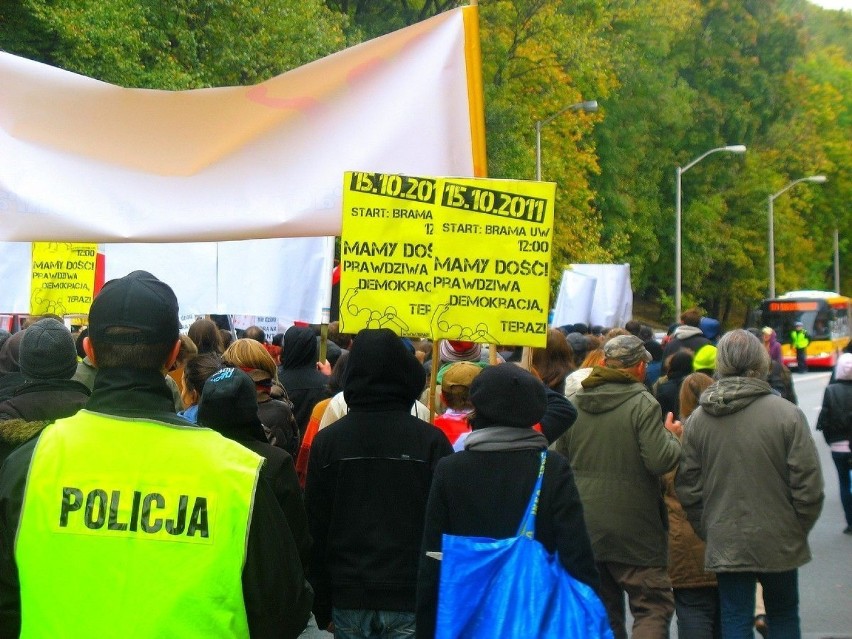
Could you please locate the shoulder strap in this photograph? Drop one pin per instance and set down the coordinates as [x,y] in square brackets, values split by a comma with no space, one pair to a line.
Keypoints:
[527,527]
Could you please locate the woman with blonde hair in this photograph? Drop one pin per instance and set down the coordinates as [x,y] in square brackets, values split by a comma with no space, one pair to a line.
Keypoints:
[273,406]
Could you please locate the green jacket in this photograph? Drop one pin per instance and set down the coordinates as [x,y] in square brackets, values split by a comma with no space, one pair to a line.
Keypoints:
[750,478]
[618,449]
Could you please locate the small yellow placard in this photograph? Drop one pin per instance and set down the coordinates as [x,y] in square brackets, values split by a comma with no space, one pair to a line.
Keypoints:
[63,278]
[448,258]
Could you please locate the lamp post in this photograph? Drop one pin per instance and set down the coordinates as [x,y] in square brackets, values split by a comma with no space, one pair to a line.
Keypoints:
[817,179]
[589,106]
[836,260]
[736,148]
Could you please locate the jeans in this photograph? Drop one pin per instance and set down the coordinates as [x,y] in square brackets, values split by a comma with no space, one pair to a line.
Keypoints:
[842,461]
[780,595]
[372,624]
[698,615]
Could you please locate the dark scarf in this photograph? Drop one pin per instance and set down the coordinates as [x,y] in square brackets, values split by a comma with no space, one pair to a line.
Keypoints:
[503,438]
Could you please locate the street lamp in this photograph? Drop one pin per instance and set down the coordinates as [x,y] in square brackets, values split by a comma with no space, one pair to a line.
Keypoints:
[816,179]
[589,106]
[736,148]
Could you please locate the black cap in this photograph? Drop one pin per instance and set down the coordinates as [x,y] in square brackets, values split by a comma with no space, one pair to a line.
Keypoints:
[507,395]
[136,301]
[228,404]
[48,351]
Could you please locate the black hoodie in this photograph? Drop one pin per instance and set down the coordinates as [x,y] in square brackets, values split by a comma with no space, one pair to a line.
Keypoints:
[368,480]
[298,373]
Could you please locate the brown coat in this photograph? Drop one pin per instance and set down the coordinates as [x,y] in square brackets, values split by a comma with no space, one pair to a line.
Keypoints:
[686,550]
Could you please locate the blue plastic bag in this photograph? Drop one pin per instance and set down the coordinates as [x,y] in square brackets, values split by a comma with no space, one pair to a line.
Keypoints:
[513,588]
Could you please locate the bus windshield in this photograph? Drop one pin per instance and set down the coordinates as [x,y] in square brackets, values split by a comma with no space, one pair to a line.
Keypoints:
[815,315]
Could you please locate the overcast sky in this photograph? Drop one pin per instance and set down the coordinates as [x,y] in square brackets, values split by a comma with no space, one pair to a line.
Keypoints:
[834,4]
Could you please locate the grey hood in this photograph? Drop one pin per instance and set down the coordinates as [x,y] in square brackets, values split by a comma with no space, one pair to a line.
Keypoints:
[684,331]
[732,394]
[606,389]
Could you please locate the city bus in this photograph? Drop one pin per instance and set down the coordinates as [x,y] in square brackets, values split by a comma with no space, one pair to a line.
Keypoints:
[825,316]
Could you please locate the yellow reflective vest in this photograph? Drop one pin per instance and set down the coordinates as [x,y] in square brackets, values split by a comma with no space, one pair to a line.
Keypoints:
[799,339]
[134,528]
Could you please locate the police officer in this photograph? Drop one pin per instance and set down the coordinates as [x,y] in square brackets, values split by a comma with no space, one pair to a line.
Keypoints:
[125,520]
[799,340]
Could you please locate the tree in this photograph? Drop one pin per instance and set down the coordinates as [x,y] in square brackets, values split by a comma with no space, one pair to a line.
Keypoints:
[178,45]
[646,115]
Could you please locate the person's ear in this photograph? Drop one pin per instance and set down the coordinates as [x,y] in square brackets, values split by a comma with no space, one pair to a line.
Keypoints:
[89,351]
[173,356]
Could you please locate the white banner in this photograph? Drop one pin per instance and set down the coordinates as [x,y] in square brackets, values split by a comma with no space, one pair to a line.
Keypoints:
[86,161]
[613,301]
[289,279]
[574,300]
[82,160]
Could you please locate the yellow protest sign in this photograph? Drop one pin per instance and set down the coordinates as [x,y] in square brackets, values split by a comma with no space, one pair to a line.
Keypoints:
[63,278]
[449,258]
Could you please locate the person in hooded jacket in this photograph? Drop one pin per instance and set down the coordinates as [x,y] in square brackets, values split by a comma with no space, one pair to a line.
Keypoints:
[711,328]
[771,344]
[687,335]
[483,490]
[618,448]
[835,422]
[300,375]
[751,485]
[368,480]
[229,406]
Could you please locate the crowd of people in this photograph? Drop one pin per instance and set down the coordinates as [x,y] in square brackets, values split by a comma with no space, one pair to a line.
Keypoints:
[220,485]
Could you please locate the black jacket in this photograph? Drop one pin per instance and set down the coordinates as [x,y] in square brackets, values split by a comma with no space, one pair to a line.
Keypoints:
[276,596]
[781,380]
[49,399]
[668,394]
[298,373]
[368,479]
[835,418]
[485,494]
[684,336]
[279,425]
[558,417]
[9,383]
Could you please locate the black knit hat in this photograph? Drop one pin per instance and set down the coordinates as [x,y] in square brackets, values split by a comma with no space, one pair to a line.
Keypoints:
[579,343]
[48,351]
[507,395]
[229,405]
[136,301]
